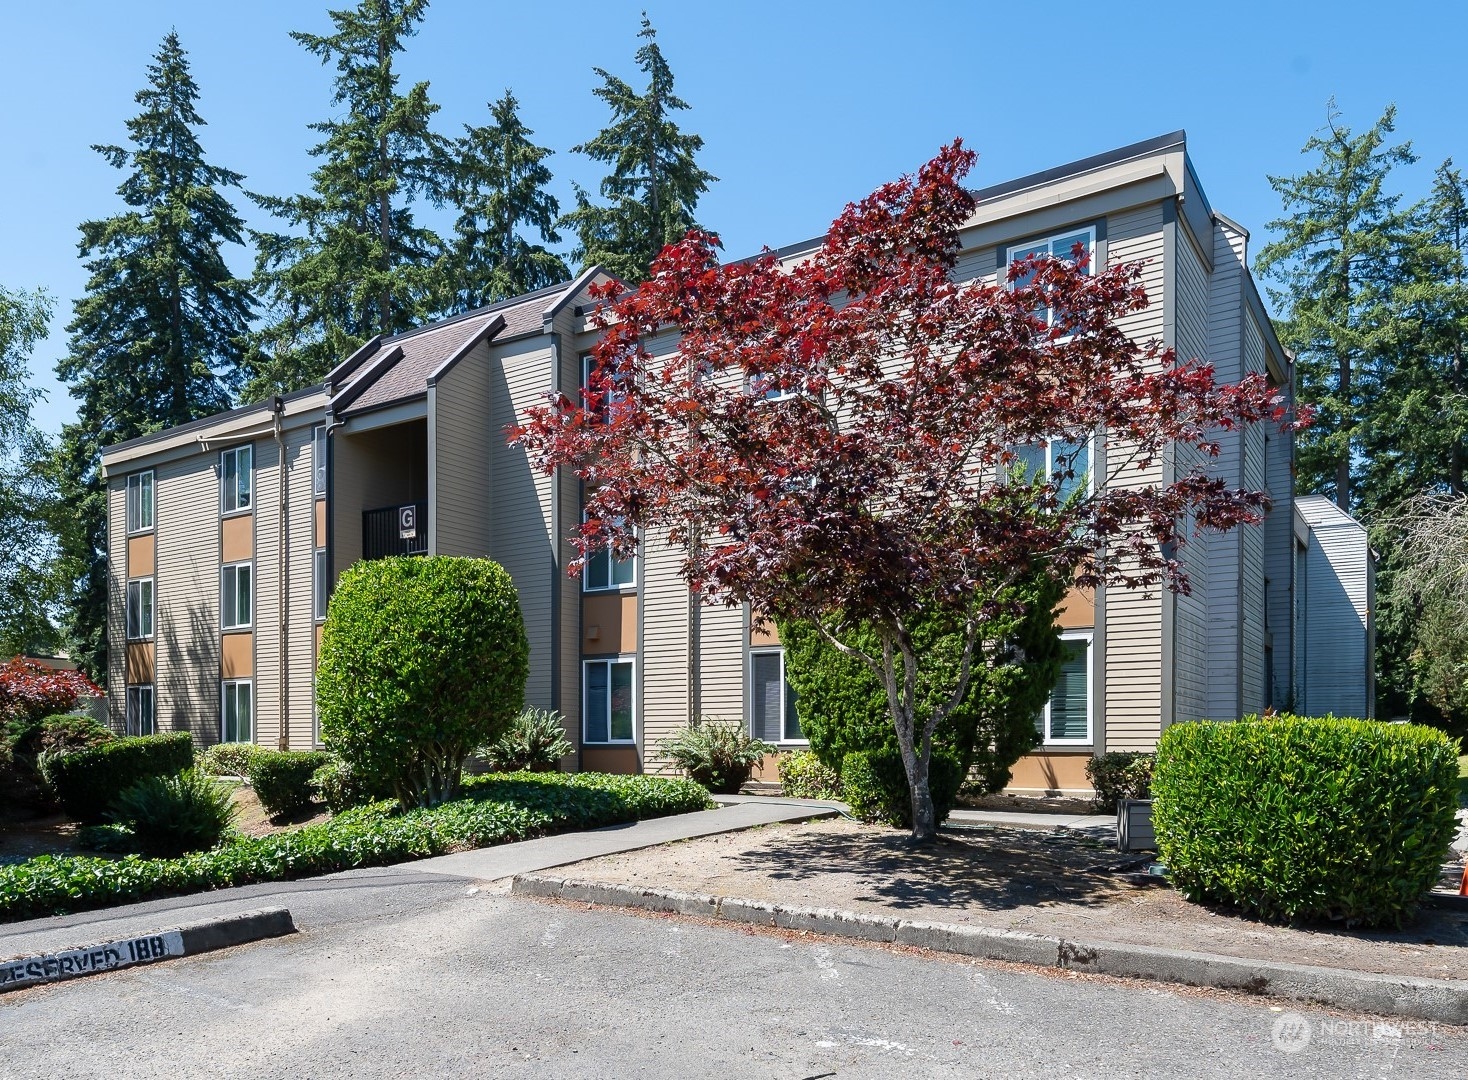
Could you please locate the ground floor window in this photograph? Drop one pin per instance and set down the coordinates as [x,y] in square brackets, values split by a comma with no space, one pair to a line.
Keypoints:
[320,592]
[1066,718]
[139,710]
[610,707]
[238,712]
[772,715]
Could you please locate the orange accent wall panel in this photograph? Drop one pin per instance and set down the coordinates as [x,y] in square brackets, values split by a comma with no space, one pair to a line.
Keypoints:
[608,624]
[766,633]
[1043,771]
[609,759]
[140,551]
[237,538]
[1079,611]
[320,523]
[237,656]
[139,663]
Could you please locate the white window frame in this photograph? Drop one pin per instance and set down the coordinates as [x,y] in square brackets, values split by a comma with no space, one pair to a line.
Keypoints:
[785,739]
[1015,252]
[320,587]
[609,661]
[225,509]
[225,687]
[1091,445]
[225,616]
[135,484]
[612,561]
[613,395]
[318,460]
[133,698]
[136,586]
[1089,637]
[770,394]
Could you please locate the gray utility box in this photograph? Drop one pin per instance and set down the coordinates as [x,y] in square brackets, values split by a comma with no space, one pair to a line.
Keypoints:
[1134,825]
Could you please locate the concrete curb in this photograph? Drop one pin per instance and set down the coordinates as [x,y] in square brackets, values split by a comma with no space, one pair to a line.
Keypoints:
[19,972]
[1440,1000]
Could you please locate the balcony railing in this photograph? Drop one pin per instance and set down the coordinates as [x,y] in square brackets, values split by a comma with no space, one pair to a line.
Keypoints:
[395,530]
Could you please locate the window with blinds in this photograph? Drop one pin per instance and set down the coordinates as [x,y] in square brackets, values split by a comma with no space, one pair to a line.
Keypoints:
[1067,715]
[772,714]
[609,711]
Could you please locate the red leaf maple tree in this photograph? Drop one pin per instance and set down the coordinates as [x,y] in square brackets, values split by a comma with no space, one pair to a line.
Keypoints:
[837,440]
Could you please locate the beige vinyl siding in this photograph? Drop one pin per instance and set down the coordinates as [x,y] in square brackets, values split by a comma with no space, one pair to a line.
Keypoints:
[460,451]
[186,683]
[1132,695]
[1225,350]
[267,702]
[721,643]
[521,523]
[352,476]
[664,654]
[300,608]
[1252,541]
[116,595]
[976,264]
[568,504]
[1190,620]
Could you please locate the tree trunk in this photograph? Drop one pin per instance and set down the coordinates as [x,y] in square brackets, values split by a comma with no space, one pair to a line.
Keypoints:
[924,818]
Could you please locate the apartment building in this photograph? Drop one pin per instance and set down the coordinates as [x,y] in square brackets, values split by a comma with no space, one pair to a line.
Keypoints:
[227,534]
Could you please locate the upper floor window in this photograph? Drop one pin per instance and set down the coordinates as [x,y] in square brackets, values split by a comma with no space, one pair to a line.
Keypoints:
[1043,459]
[140,609]
[1067,245]
[140,502]
[321,588]
[611,392]
[236,603]
[767,387]
[236,478]
[603,571]
[318,459]
[1066,718]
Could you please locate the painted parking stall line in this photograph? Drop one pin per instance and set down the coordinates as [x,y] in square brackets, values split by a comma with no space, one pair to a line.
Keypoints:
[19,972]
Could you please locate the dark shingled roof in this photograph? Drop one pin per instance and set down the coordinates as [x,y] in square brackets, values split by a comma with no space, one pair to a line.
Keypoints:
[400,368]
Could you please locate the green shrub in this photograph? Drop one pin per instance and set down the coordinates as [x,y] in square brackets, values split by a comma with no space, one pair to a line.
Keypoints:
[875,786]
[1292,818]
[497,809]
[341,787]
[169,815]
[805,776]
[1121,774]
[535,742]
[423,660]
[229,758]
[719,754]
[282,778]
[843,706]
[88,781]
[28,739]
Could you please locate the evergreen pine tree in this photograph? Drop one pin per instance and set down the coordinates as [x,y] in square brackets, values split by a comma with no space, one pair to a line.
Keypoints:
[655,181]
[354,263]
[499,183]
[28,579]
[1339,261]
[156,340]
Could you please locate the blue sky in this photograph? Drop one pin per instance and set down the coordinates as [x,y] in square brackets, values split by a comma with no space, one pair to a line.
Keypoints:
[802,106]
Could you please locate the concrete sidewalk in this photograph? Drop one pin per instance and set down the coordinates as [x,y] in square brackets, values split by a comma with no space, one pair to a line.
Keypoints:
[378,892]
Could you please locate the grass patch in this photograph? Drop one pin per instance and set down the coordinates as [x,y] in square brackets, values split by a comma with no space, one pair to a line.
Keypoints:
[496,809]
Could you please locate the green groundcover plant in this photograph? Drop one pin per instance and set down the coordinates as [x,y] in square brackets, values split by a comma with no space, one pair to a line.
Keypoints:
[496,809]
[1305,819]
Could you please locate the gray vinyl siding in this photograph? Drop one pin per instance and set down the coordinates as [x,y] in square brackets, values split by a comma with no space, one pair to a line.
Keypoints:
[1336,597]
[186,684]
[461,450]
[721,671]
[568,503]
[520,529]
[1252,543]
[116,598]
[352,477]
[1132,702]
[1279,566]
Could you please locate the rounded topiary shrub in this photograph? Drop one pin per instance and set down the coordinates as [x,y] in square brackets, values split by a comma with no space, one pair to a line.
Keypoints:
[1295,819]
[422,661]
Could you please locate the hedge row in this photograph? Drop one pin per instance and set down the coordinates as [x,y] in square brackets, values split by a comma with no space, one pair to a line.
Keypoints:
[88,782]
[498,809]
